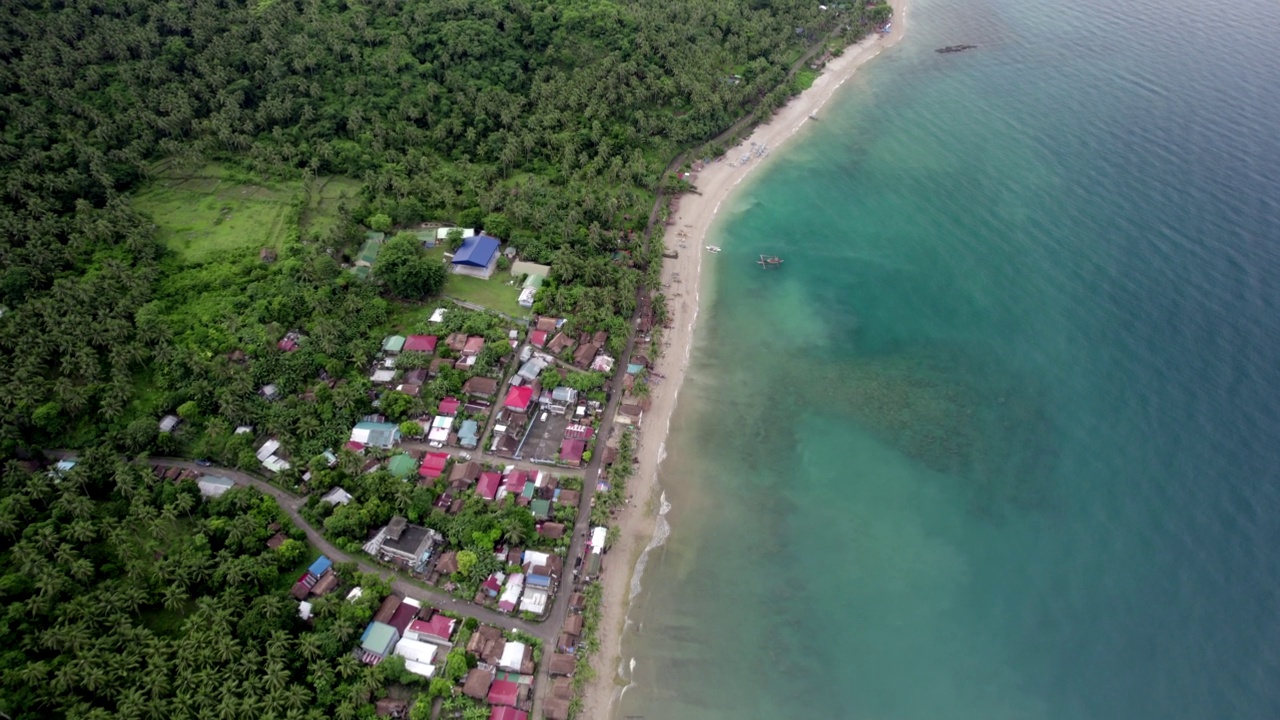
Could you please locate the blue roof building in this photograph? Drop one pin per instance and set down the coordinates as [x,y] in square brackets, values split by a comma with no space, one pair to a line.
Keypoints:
[321,564]
[478,256]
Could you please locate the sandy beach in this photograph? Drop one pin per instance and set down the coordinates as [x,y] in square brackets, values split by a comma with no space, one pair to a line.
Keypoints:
[687,233]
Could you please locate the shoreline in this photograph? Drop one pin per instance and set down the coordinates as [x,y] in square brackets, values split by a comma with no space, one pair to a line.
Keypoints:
[687,232]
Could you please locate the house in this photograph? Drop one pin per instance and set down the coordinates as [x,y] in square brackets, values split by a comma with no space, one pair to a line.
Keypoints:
[433,465]
[602,363]
[382,376]
[439,629]
[503,692]
[532,369]
[481,387]
[511,594]
[337,496]
[377,642]
[465,473]
[402,465]
[421,655]
[514,655]
[567,497]
[538,338]
[526,297]
[442,234]
[213,486]
[441,426]
[561,664]
[449,406]
[456,341]
[437,315]
[275,541]
[474,345]
[534,601]
[368,254]
[583,356]
[387,609]
[514,482]
[571,451]
[433,370]
[547,324]
[168,423]
[518,399]
[551,530]
[269,456]
[325,584]
[477,257]
[405,544]
[562,398]
[573,625]
[560,343]
[505,712]
[270,391]
[447,564]
[393,343]
[598,535]
[540,508]
[396,709]
[289,342]
[477,684]
[469,434]
[487,488]
[376,434]
[555,709]
[416,376]
[487,644]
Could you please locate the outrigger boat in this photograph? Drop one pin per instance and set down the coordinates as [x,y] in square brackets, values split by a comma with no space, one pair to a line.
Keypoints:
[769,261]
[713,248]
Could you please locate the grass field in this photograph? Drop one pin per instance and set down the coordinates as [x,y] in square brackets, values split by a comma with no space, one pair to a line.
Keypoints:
[211,209]
[215,208]
[494,293]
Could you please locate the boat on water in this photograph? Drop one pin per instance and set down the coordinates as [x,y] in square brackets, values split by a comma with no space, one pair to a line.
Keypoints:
[769,261]
[713,248]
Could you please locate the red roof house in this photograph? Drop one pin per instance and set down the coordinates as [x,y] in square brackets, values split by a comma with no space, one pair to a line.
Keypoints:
[538,338]
[508,713]
[354,446]
[433,464]
[503,692]
[474,345]
[421,343]
[515,481]
[571,451]
[439,626]
[487,488]
[518,398]
[449,406]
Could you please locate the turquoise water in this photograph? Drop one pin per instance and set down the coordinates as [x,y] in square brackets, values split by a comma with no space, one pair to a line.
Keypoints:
[1000,439]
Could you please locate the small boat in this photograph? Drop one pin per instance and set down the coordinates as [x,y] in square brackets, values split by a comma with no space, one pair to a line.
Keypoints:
[769,261]
[713,248]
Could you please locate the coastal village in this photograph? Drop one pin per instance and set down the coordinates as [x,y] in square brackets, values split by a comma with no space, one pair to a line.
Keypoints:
[514,437]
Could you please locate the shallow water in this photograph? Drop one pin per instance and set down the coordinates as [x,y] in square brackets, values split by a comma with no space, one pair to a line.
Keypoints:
[998,441]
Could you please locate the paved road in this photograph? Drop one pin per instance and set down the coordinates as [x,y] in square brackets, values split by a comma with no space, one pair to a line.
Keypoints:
[291,503]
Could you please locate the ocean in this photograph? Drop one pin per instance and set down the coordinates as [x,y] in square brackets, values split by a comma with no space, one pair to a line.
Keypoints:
[999,440]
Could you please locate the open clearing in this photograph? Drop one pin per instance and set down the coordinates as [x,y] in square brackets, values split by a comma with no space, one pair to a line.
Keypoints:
[203,211]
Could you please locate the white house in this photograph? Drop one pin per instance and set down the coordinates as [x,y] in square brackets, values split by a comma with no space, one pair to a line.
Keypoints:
[337,496]
[512,656]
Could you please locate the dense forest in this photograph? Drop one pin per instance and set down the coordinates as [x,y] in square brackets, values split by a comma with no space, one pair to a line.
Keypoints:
[126,596]
[548,121]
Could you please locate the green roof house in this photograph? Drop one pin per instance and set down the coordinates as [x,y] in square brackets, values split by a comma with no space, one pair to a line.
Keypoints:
[402,465]
[393,343]
[378,640]
[541,509]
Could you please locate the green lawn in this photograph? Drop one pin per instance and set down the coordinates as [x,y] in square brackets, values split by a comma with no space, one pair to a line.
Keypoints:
[494,293]
[206,210]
